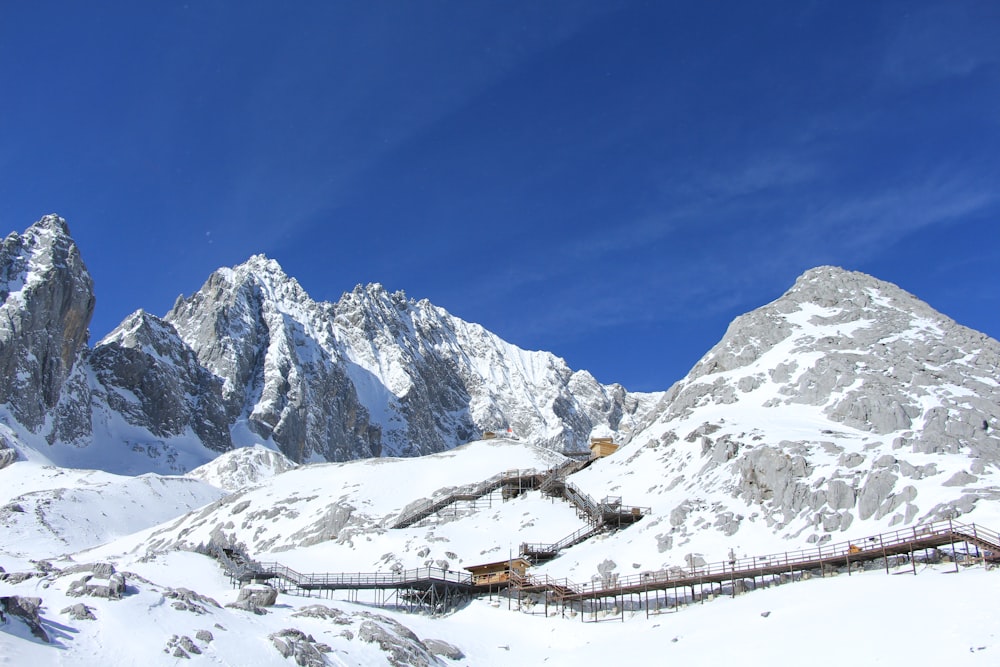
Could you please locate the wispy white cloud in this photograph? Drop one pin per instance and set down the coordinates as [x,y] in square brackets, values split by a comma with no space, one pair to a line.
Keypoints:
[939,41]
[617,280]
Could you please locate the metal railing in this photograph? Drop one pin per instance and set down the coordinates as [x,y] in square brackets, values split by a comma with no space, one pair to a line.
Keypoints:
[462,493]
[346,580]
[868,548]
[550,550]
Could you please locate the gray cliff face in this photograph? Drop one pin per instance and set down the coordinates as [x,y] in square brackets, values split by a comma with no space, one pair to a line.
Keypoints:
[46,302]
[847,399]
[373,375]
[56,388]
[259,332]
[867,352]
[153,379]
[378,374]
[450,380]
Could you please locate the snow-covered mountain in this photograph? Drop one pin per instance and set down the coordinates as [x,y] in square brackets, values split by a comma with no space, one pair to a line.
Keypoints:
[845,405]
[252,359]
[845,408]
[377,374]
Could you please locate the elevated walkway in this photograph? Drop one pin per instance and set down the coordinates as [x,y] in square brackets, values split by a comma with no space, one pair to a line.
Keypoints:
[512,482]
[437,590]
[604,516]
[901,543]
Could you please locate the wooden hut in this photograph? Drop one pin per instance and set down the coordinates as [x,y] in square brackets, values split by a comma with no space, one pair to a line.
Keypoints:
[498,574]
[601,447]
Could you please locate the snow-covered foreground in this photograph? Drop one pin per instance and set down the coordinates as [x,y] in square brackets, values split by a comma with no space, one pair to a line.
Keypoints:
[867,618]
[337,518]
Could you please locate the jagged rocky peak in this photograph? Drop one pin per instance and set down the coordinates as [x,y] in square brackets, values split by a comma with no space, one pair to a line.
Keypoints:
[225,321]
[46,303]
[258,330]
[140,330]
[153,380]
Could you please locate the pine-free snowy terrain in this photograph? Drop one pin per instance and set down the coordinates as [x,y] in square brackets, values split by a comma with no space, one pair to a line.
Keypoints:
[843,409]
[175,600]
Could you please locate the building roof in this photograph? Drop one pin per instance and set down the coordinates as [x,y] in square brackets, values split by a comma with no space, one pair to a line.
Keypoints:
[498,565]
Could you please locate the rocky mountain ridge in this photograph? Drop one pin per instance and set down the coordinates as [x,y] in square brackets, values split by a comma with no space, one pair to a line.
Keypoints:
[845,402]
[251,358]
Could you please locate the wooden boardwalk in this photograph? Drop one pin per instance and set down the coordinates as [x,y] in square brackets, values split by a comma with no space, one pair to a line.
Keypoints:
[822,558]
[440,590]
[602,516]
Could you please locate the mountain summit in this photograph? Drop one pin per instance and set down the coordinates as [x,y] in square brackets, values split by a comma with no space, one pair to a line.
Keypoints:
[845,400]
[251,358]
[842,363]
[377,373]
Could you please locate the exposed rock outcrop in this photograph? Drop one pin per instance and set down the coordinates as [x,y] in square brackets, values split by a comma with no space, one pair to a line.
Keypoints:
[24,610]
[153,379]
[398,642]
[80,612]
[46,303]
[255,598]
[295,644]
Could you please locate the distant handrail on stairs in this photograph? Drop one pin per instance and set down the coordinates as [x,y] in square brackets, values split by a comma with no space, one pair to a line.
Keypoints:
[463,493]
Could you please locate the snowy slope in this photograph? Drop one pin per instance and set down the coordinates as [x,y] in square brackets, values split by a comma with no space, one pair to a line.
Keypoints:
[176,599]
[845,407]
[48,511]
[343,509]
[863,619]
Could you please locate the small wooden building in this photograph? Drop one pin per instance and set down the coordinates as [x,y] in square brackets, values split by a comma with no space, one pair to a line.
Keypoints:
[497,574]
[489,435]
[601,447]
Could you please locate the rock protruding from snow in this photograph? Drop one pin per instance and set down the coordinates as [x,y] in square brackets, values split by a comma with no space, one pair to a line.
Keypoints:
[46,302]
[7,452]
[24,610]
[295,644]
[102,582]
[80,612]
[398,642]
[242,468]
[255,598]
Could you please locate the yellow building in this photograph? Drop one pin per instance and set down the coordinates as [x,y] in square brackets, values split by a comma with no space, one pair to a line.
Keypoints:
[601,447]
[498,574]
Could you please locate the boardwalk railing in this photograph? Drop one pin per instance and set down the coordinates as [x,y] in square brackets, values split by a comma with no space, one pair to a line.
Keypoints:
[608,514]
[539,551]
[465,493]
[432,583]
[415,578]
[883,545]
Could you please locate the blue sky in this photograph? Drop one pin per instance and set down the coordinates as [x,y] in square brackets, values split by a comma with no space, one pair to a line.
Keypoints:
[610,181]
